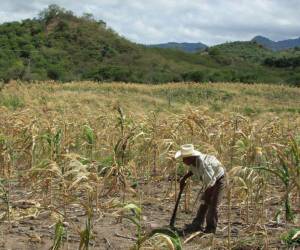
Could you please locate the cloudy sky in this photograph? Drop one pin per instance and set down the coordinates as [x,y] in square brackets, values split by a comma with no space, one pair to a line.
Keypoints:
[159,21]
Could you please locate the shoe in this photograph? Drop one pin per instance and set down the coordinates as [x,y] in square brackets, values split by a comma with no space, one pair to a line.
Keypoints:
[210,230]
[189,228]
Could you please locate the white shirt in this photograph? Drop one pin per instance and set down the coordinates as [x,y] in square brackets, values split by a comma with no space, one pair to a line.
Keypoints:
[208,169]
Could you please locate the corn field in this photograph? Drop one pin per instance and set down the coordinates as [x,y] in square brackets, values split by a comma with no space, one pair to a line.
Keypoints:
[90,166]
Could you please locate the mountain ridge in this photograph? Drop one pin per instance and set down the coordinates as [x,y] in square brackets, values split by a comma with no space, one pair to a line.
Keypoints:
[184,46]
[279,45]
[262,40]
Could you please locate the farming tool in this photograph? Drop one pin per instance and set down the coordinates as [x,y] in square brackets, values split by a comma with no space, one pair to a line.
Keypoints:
[181,188]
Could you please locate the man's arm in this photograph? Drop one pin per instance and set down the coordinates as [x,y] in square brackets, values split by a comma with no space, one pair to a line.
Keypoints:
[211,166]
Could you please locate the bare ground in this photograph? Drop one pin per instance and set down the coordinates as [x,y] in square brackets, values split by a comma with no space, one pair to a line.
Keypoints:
[37,232]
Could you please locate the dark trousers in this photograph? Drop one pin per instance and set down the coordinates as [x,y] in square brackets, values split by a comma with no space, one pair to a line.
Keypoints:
[208,209]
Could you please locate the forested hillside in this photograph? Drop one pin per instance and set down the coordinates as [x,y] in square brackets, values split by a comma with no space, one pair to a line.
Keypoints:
[61,46]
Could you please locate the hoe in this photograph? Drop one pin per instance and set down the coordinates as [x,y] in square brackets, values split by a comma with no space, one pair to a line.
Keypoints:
[182,185]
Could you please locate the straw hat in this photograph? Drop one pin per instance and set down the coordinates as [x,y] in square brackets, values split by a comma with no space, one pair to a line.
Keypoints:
[186,151]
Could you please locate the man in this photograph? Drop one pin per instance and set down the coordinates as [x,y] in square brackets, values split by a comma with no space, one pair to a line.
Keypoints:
[211,172]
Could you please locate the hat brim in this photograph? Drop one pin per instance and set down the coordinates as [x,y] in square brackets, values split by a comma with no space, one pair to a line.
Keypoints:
[178,154]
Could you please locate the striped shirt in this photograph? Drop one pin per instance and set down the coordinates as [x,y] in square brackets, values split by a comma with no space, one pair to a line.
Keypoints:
[208,169]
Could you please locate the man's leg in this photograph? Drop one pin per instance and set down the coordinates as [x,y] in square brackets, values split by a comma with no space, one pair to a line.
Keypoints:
[212,213]
[198,221]
[202,211]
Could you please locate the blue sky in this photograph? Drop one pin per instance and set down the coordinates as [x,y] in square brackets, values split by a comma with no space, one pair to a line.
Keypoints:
[159,21]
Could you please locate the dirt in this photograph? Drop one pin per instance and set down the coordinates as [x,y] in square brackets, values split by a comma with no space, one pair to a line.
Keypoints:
[157,204]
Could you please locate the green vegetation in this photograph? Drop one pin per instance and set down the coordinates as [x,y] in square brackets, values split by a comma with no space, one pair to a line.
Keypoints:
[61,46]
[11,101]
[292,237]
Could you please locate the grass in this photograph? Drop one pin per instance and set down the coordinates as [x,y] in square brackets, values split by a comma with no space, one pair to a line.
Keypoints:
[11,101]
[243,98]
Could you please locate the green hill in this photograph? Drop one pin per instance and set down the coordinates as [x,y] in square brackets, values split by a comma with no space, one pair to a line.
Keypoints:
[61,46]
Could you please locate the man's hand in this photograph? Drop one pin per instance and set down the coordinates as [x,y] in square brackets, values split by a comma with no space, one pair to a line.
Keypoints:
[184,178]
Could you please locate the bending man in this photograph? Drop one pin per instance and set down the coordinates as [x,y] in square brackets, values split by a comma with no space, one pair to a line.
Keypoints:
[210,171]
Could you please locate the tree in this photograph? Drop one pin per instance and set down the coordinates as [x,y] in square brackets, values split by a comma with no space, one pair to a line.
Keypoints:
[88,17]
[194,76]
[53,11]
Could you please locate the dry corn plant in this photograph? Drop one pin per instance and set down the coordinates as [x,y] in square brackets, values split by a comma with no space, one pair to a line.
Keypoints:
[89,137]
[151,128]
[71,182]
[59,235]
[116,178]
[163,239]
[294,149]
[4,197]
[246,185]
[86,234]
[53,137]
[79,184]
[250,154]
[6,176]
[286,171]
[158,140]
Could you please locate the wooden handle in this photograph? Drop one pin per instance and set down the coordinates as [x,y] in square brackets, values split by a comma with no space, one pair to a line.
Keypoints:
[172,221]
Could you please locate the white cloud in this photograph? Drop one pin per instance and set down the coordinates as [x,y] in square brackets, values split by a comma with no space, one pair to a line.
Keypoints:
[156,21]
